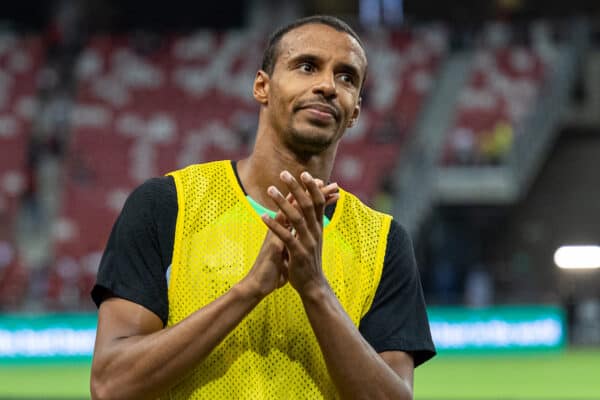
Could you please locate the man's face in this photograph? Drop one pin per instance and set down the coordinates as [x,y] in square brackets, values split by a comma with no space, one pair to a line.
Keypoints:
[313,92]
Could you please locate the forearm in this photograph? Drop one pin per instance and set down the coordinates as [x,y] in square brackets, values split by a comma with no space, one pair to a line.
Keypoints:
[143,366]
[356,369]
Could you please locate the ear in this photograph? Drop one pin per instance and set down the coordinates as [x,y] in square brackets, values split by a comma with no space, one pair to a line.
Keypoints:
[355,113]
[261,87]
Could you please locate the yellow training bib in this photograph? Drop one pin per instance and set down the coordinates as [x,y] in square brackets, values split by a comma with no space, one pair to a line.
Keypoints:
[273,353]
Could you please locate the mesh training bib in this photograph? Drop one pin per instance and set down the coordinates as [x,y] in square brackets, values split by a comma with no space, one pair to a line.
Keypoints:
[273,353]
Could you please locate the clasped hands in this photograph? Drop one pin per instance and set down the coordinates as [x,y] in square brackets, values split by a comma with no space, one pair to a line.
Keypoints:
[291,251]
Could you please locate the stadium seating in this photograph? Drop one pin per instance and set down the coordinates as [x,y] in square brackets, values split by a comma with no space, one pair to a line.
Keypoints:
[500,92]
[20,63]
[20,59]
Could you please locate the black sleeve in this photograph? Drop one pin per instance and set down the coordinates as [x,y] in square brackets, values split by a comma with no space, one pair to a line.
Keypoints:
[140,248]
[397,319]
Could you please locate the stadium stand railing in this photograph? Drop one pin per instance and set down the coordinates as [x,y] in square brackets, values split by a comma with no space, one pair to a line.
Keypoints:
[415,173]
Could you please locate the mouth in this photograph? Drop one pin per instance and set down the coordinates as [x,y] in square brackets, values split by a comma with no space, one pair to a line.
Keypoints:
[321,111]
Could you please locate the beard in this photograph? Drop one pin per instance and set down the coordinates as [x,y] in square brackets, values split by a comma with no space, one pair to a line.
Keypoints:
[309,140]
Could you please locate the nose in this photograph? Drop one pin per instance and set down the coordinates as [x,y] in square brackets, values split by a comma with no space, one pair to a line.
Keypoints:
[325,86]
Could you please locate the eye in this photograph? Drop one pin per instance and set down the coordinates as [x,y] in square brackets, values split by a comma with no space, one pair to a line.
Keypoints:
[306,67]
[347,78]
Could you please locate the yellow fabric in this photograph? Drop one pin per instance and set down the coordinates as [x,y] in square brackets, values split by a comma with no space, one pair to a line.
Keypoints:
[272,353]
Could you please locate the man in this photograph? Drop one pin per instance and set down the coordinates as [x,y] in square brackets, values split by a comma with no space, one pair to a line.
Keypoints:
[205,293]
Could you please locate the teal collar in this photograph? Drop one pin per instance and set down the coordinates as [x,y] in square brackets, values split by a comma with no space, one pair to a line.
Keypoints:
[260,209]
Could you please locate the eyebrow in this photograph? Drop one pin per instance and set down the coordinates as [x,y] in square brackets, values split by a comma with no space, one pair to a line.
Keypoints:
[304,58]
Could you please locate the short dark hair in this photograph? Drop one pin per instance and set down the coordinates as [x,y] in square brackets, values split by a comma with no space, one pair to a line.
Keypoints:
[272,51]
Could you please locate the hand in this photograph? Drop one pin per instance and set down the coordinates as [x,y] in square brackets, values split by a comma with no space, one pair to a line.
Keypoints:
[331,193]
[299,225]
[269,271]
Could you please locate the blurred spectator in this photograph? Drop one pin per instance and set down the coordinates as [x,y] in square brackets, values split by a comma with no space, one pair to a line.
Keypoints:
[463,145]
[479,290]
[495,145]
[445,277]
[13,278]
[587,321]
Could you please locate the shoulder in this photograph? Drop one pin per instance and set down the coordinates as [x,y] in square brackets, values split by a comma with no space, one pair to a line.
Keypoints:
[207,169]
[153,190]
[149,205]
[399,262]
[354,204]
[200,179]
[398,236]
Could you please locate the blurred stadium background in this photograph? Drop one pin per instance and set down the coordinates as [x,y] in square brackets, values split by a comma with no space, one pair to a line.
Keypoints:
[480,132]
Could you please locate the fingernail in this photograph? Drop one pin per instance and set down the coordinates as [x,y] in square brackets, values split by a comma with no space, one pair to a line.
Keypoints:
[286,176]
[273,191]
[306,176]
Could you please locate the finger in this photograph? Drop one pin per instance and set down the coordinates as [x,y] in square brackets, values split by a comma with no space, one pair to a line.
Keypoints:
[294,216]
[317,196]
[331,199]
[273,242]
[276,251]
[280,231]
[303,199]
[331,193]
[330,189]
[290,198]
[281,219]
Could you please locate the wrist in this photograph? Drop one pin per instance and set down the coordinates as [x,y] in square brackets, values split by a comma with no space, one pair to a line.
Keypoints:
[316,292]
[249,291]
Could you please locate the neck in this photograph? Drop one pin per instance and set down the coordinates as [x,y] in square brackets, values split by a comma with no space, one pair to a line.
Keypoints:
[270,157]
